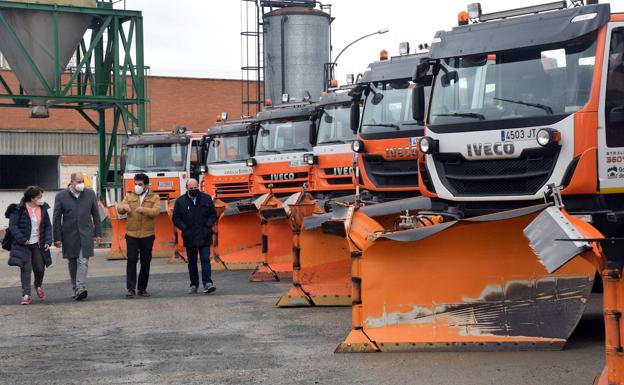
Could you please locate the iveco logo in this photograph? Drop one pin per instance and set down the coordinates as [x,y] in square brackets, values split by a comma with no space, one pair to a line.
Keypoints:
[284,176]
[490,149]
[401,152]
[343,170]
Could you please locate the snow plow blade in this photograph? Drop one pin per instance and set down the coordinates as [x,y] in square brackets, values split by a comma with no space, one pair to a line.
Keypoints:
[238,237]
[322,262]
[459,284]
[276,240]
[558,238]
[164,243]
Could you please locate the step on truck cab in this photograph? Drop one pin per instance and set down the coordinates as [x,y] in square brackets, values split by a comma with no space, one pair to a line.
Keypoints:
[227,149]
[331,159]
[387,134]
[283,137]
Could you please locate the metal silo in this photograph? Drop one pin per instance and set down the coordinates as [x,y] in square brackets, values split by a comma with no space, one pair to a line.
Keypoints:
[296,48]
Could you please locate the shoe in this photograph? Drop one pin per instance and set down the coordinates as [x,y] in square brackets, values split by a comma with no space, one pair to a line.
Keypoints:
[26,299]
[130,294]
[193,289]
[209,288]
[143,293]
[40,293]
[81,294]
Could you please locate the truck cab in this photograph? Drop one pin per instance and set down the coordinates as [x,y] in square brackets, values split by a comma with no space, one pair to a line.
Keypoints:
[332,157]
[282,139]
[168,158]
[524,100]
[227,148]
[387,134]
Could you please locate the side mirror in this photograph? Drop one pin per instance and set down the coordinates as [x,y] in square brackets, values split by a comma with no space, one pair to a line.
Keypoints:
[616,115]
[418,103]
[312,132]
[355,117]
[445,80]
[250,145]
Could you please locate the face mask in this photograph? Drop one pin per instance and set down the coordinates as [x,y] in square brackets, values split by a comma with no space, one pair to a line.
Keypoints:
[40,201]
[80,187]
[138,189]
[193,193]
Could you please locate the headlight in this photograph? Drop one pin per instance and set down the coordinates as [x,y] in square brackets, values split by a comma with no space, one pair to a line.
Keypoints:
[428,145]
[357,146]
[309,159]
[250,162]
[547,137]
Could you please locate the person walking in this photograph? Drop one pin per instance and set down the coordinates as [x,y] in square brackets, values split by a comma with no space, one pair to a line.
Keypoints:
[76,224]
[142,206]
[30,227]
[194,214]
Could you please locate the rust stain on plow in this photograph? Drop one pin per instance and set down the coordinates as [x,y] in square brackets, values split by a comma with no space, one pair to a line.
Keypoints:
[549,307]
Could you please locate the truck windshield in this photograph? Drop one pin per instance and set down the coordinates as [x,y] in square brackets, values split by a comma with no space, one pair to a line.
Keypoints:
[524,83]
[157,157]
[388,107]
[334,125]
[227,148]
[278,136]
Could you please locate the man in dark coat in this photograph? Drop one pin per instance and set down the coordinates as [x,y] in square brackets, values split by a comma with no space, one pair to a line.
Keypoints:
[76,222]
[194,214]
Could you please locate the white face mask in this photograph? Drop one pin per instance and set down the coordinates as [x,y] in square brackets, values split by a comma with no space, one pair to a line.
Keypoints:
[80,187]
[138,189]
[40,201]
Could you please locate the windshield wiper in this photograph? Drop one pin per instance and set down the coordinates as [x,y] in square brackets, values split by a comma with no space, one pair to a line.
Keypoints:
[391,125]
[332,142]
[297,149]
[219,162]
[270,151]
[464,115]
[544,107]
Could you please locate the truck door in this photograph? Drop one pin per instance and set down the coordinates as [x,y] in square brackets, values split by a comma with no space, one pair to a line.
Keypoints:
[611,114]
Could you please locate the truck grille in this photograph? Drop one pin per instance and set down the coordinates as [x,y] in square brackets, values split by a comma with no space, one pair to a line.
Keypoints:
[521,176]
[290,181]
[391,173]
[231,188]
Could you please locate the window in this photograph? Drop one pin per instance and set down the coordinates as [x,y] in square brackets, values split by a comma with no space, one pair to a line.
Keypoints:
[614,101]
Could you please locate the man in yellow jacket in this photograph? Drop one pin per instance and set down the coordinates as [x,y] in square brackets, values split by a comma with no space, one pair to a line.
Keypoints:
[142,206]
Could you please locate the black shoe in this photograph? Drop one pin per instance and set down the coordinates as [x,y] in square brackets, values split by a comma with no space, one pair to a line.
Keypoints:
[209,288]
[81,294]
[143,293]
[130,294]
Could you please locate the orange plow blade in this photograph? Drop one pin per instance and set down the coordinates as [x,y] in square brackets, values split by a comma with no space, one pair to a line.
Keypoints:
[118,232]
[558,238]
[459,284]
[238,241]
[322,265]
[277,241]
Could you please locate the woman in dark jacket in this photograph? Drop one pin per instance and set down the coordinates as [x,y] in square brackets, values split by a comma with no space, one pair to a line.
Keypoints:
[31,229]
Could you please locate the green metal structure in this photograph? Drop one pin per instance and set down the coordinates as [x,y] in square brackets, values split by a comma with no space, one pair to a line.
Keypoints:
[107,87]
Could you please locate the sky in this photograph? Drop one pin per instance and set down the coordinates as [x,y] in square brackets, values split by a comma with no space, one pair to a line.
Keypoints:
[201,38]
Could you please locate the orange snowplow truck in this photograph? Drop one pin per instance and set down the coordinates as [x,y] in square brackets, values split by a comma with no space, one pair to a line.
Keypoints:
[227,176]
[331,159]
[525,104]
[541,103]
[169,159]
[387,135]
[283,137]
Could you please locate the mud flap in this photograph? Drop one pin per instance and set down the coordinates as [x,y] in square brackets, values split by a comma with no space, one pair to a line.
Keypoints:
[471,284]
